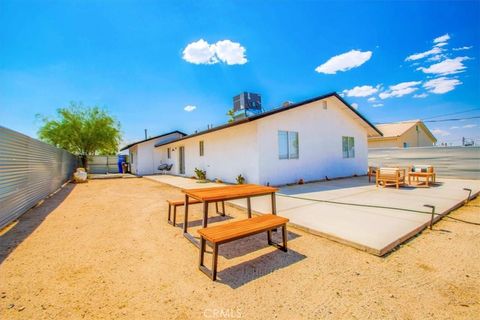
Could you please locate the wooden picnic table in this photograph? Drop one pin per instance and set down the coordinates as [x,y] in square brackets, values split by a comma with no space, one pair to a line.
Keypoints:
[216,194]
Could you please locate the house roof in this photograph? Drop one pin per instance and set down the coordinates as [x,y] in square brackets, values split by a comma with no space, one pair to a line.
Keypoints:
[152,138]
[396,129]
[275,111]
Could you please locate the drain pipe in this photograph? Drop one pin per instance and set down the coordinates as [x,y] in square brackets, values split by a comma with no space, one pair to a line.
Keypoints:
[433,214]
[469,194]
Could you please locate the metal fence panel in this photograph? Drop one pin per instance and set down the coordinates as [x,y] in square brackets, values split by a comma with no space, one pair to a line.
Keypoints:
[30,170]
[449,162]
[103,164]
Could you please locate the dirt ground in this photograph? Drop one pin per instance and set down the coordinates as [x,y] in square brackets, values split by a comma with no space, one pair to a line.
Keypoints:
[104,250]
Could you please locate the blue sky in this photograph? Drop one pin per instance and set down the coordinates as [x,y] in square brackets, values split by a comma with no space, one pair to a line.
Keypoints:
[146,61]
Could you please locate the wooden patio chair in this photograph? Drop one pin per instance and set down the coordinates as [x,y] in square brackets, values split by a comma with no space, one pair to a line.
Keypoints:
[390,177]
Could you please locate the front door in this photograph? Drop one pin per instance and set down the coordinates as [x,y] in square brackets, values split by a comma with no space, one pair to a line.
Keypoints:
[181,160]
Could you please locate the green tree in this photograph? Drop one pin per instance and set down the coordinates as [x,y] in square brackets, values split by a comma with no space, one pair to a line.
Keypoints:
[84,131]
[231,115]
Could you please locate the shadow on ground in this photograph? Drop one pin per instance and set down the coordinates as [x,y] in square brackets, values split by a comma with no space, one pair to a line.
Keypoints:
[29,221]
[245,272]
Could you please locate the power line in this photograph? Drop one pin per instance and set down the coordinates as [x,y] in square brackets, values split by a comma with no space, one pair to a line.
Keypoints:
[451,114]
[454,119]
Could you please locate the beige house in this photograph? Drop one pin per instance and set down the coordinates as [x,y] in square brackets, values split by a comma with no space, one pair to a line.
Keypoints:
[404,134]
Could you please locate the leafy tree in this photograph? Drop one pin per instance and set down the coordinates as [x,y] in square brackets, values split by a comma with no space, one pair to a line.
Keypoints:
[231,115]
[85,131]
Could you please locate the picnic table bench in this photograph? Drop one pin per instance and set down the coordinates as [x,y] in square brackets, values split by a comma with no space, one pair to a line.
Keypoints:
[221,194]
[232,231]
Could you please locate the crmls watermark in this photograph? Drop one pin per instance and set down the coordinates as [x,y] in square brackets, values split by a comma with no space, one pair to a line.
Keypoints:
[214,313]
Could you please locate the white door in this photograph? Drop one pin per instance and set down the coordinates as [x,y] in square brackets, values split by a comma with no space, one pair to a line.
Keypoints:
[181,160]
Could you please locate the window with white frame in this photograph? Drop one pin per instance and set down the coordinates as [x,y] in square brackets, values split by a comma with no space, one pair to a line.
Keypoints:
[348,147]
[201,148]
[288,145]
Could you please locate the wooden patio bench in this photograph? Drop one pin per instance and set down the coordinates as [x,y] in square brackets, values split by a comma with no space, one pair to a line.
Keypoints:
[232,231]
[180,203]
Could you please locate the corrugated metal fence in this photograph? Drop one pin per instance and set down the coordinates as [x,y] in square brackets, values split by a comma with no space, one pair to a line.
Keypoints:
[30,170]
[449,162]
[103,164]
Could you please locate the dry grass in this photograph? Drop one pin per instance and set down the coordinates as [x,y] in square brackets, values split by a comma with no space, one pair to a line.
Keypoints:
[104,250]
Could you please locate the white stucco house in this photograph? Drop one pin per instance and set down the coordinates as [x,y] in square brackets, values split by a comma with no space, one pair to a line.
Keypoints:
[317,138]
[143,157]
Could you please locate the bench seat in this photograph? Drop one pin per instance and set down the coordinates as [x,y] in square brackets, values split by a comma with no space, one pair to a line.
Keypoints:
[232,231]
[240,229]
[181,202]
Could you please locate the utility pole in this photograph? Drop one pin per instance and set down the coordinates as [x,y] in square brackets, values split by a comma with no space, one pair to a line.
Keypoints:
[463,141]
[145,134]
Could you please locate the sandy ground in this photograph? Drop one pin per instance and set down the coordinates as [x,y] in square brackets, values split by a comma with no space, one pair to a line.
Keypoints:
[104,250]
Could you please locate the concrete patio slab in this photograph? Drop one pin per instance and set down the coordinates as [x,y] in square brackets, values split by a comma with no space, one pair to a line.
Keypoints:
[355,212]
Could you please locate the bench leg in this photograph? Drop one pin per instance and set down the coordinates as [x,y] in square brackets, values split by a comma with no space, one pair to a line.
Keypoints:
[169,211]
[202,252]
[212,274]
[222,213]
[284,237]
[214,261]
[282,247]
[174,216]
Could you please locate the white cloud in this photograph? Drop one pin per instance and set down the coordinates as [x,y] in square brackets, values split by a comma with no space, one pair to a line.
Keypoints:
[354,105]
[189,108]
[378,105]
[447,66]
[443,38]
[344,61]
[436,57]
[372,99]
[462,48]
[400,89]
[201,52]
[454,127]
[230,52]
[441,85]
[441,132]
[420,95]
[469,126]
[361,91]
[441,44]
[417,56]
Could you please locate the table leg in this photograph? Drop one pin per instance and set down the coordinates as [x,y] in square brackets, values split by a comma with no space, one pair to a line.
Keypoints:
[205,214]
[249,207]
[185,223]
[274,204]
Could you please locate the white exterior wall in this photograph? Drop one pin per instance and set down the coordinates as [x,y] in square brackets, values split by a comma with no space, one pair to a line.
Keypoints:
[145,159]
[251,149]
[227,153]
[320,144]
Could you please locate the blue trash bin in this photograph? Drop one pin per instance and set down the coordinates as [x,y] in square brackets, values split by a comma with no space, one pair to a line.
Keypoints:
[121,159]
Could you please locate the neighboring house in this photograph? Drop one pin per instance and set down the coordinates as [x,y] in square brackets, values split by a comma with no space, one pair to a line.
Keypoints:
[143,158]
[404,134]
[317,138]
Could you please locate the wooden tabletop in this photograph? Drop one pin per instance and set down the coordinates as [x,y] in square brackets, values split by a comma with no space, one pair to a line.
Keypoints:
[229,192]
